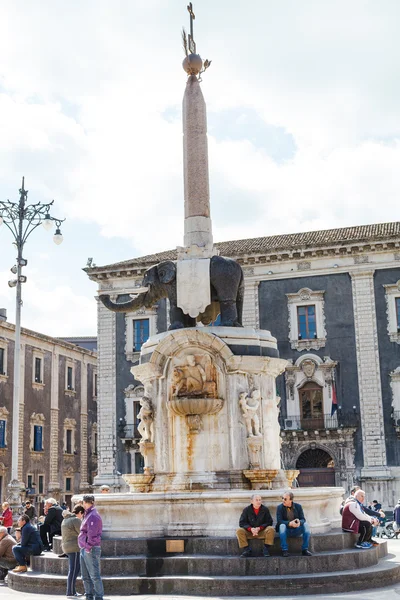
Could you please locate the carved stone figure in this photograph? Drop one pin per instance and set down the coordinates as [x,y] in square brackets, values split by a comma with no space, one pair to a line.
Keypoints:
[227,289]
[191,379]
[145,427]
[249,406]
[308,367]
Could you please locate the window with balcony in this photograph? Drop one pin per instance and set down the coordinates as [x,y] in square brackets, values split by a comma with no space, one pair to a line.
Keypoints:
[68,441]
[311,406]
[306,311]
[68,486]
[392,295]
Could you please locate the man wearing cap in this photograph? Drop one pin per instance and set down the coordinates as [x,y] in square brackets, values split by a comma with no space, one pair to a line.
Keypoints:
[105,489]
[89,541]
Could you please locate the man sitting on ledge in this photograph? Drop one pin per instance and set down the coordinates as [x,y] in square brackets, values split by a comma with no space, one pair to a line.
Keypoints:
[255,522]
[290,522]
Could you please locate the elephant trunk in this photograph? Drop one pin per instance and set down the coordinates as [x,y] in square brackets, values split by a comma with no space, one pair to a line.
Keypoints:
[134,304]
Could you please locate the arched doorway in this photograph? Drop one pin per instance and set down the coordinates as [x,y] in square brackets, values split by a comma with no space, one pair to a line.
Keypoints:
[311,406]
[317,468]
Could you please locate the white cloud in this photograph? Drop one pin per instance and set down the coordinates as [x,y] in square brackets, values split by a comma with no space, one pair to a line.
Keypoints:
[82,103]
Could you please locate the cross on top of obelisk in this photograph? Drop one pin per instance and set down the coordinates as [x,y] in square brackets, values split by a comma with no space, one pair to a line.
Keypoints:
[192,43]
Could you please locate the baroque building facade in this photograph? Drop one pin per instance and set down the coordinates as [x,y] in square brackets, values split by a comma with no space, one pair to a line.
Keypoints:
[332,300]
[57,453]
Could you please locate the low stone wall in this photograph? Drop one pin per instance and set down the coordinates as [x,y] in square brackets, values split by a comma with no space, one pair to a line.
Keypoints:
[212,513]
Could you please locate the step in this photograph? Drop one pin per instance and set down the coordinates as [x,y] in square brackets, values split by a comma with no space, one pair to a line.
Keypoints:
[385,573]
[184,564]
[334,540]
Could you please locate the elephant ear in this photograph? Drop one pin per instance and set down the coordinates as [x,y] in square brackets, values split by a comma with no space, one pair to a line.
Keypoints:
[166,271]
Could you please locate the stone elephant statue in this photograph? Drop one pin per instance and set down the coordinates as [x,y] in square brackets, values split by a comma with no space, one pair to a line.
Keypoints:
[227,291]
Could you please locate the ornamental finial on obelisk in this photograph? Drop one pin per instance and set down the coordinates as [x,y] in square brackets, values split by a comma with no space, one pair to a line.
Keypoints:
[193,63]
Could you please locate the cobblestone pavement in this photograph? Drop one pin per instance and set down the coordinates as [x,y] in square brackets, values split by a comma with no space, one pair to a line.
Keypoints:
[388,593]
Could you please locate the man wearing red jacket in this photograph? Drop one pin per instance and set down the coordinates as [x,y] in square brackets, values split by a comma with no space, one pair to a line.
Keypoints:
[355,519]
[89,541]
[255,522]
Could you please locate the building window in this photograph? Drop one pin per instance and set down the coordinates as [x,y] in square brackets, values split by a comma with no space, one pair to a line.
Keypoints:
[392,292]
[3,433]
[37,428]
[138,330]
[2,361]
[95,385]
[95,443]
[38,370]
[30,481]
[306,322]
[140,333]
[69,377]
[41,484]
[69,436]
[37,438]
[306,319]
[68,484]
[68,441]
[139,463]
[311,404]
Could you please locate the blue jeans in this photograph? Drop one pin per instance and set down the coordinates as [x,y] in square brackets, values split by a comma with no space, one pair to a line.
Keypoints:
[90,567]
[74,568]
[22,552]
[285,532]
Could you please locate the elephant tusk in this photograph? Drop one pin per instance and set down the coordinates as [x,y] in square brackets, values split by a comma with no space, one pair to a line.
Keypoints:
[138,291]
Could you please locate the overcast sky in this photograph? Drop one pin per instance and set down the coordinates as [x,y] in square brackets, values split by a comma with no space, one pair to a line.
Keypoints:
[303,116]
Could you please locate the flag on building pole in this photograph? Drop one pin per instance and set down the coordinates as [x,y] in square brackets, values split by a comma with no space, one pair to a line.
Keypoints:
[334,398]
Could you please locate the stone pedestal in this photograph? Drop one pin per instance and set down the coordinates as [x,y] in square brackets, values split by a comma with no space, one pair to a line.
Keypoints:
[213,396]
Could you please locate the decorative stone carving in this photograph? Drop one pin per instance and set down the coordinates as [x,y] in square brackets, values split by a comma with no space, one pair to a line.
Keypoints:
[261,479]
[147,451]
[290,377]
[191,379]
[291,475]
[250,406]
[146,416]
[195,423]
[254,446]
[308,367]
[139,482]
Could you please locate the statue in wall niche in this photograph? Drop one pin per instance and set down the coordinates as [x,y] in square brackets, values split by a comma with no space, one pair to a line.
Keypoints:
[195,377]
[249,406]
[145,427]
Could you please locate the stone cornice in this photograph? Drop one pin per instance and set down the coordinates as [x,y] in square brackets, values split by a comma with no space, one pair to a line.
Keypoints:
[301,257]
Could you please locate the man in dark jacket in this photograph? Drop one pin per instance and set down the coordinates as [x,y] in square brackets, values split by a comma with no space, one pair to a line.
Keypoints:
[255,522]
[290,522]
[52,523]
[30,545]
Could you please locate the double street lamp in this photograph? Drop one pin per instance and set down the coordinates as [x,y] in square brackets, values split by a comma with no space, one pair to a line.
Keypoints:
[21,219]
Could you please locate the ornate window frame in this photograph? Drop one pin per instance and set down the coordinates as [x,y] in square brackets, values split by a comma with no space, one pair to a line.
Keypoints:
[308,367]
[69,474]
[392,291]
[4,345]
[69,425]
[143,313]
[307,297]
[38,385]
[395,385]
[36,419]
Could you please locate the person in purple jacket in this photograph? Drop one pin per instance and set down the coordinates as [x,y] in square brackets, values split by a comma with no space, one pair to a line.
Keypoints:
[89,541]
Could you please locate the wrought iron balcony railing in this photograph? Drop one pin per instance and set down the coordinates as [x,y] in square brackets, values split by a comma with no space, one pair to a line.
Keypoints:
[129,431]
[326,421]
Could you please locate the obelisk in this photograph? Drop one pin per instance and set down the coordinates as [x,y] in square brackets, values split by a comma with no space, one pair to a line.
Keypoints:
[193,264]
[198,230]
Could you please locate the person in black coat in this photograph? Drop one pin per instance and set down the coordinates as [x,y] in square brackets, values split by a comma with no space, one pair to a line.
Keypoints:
[255,522]
[30,545]
[52,522]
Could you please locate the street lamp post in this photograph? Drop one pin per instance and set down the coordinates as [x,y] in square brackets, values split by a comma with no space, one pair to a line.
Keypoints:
[21,219]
